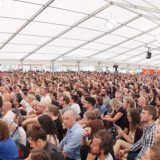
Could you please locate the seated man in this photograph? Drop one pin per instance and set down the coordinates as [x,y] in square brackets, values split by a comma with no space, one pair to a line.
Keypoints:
[101,146]
[70,144]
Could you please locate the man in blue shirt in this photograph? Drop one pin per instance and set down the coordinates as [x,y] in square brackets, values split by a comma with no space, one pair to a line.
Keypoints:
[70,144]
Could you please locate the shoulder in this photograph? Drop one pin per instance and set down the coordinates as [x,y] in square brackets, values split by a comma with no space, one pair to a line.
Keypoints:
[122,110]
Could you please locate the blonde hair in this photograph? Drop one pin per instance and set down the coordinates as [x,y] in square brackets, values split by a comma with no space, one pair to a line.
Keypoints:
[115,104]
[31,96]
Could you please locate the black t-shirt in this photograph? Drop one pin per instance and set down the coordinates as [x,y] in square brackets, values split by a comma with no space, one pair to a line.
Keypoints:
[138,134]
[123,121]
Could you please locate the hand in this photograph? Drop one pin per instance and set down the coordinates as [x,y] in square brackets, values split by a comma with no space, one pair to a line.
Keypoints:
[90,156]
[87,131]
[106,117]
[121,153]
[120,131]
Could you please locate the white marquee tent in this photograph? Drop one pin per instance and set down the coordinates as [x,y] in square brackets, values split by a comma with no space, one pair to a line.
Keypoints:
[77,31]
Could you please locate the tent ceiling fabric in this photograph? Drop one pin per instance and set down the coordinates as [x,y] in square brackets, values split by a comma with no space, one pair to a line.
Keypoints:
[117,31]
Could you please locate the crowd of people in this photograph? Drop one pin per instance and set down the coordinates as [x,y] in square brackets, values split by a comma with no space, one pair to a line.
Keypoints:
[79,116]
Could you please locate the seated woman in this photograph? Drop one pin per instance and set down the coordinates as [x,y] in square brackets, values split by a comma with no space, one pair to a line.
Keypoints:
[118,115]
[135,132]
[47,124]
[8,148]
[93,127]
[53,112]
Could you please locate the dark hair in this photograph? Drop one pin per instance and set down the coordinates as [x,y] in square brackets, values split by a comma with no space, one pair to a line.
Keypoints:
[152,111]
[154,92]
[4,130]
[106,141]
[100,101]
[39,155]
[18,116]
[136,119]
[66,99]
[91,100]
[37,133]
[74,97]
[47,124]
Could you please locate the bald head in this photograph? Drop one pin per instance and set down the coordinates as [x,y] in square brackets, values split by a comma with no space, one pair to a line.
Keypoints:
[69,118]
[6,107]
[142,102]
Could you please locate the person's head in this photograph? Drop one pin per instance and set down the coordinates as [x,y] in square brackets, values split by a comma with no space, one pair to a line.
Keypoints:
[149,114]
[41,106]
[152,93]
[134,118]
[47,124]
[64,101]
[30,97]
[43,90]
[115,104]
[88,116]
[157,135]
[37,137]
[69,118]
[94,126]
[74,98]
[152,153]
[89,102]
[4,130]
[102,143]
[18,119]
[142,102]
[39,155]
[6,107]
[119,95]
[4,89]
[128,103]
[52,110]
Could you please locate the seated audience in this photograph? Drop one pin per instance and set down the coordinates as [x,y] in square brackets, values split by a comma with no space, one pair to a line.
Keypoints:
[148,117]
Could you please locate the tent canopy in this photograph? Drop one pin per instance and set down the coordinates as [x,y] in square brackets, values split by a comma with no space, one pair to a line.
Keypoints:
[100,31]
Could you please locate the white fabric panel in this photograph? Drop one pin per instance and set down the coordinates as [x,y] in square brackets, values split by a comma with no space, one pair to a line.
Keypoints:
[85,6]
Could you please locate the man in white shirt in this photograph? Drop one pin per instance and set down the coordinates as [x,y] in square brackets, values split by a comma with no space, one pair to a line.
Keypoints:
[74,105]
[45,96]
[8,115]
